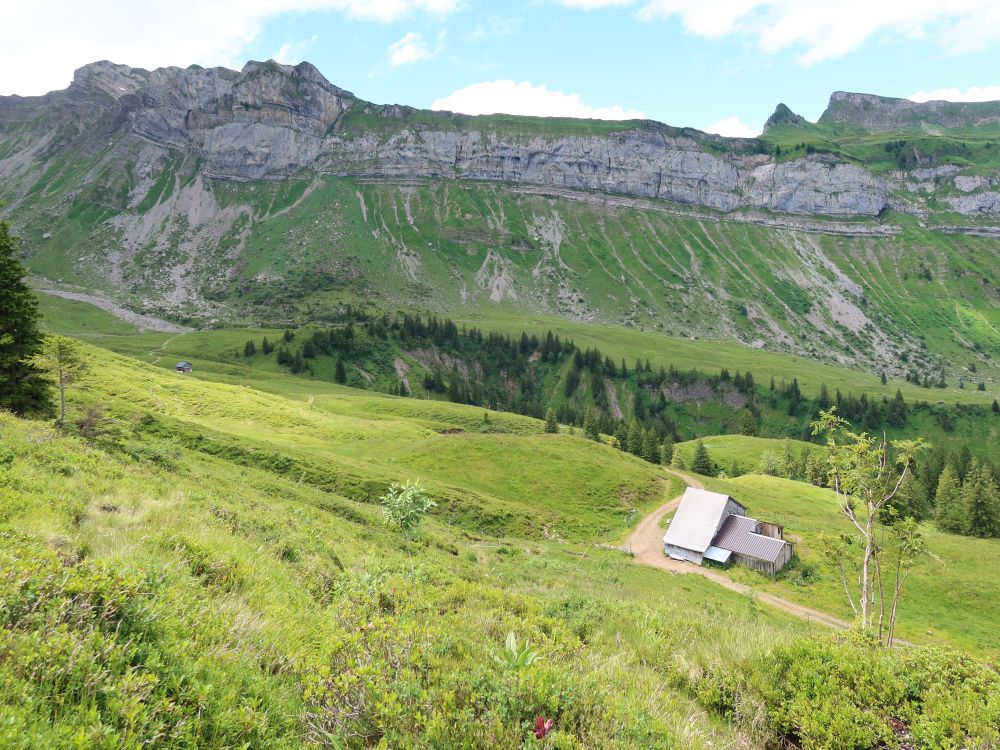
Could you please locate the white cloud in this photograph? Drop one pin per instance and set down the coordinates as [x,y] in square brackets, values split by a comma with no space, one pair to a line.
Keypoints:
[54,37]
[492,27]
[971,94]
[410,49]
[822,30]
[292,53]
[733,127]
[525,98]
[593,4]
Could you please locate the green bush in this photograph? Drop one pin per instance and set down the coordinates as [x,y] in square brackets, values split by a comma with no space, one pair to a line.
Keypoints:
[845,694]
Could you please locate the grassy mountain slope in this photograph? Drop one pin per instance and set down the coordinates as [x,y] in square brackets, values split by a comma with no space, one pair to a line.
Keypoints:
[205,591]
[208,569]
[246,252]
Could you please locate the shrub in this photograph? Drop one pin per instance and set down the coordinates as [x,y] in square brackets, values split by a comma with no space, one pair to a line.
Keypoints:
[405,505]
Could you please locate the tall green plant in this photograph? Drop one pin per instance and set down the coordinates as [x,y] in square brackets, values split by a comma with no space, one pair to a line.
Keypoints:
[405,505]
[866,473]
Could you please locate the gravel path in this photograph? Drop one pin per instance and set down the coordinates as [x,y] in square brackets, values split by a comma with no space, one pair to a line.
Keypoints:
[142,322]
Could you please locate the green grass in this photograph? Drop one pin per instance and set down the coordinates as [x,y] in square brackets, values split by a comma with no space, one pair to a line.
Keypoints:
[80,319]
[177,583]
[746,451]
[949,598]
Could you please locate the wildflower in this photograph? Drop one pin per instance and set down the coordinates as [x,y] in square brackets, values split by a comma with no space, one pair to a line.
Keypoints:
[542,727]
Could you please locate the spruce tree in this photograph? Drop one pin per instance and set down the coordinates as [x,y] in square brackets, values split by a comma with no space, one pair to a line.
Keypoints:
[551,424]
[980,500]
[702,462]
[339,371]
[910,500]
[591,428]
[667,451]
[948,511]
[634,439]
[650,446]
[748,425]
[23,387]
[249,348]
[996,406]
[620,437]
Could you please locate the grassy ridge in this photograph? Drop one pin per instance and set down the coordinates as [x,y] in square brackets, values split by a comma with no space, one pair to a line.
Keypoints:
[218,598]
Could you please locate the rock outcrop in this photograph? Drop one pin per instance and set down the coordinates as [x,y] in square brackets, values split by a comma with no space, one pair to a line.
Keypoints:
[272,120]
[873,112]
[269,121]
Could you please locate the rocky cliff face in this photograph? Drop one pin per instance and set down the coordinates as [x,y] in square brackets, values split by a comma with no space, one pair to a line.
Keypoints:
[270,120]
[885,113]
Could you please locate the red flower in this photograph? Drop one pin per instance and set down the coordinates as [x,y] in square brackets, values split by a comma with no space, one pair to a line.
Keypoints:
[542,727]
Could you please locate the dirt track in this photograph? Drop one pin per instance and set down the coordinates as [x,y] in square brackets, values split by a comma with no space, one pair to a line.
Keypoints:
[646,544]
[140,321]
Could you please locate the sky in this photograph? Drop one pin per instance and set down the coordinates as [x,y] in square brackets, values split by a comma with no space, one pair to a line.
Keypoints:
[717,65]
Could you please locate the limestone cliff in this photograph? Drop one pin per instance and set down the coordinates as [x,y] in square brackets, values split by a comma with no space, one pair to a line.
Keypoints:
[271,120]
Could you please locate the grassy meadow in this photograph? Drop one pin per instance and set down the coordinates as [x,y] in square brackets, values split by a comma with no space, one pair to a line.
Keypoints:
[210,570]
[206,565]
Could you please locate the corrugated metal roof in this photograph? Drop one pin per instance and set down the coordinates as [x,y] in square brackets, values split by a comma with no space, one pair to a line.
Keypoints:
[696,520]
[738,535]
[718,554]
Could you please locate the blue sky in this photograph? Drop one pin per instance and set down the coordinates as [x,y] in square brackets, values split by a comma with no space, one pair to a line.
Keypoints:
[684,62]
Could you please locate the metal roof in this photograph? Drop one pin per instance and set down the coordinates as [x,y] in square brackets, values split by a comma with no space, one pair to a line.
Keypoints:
[697,519]
[717,554]
[738,534]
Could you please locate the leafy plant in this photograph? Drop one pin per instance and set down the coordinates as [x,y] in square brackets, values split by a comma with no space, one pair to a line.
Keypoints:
[406,505]
[516,657]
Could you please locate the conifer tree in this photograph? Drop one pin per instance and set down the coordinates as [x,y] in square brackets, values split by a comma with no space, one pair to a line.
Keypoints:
[667,451]
[249,348]
[620,436]
[948,511]
[701,463]
[551,424]
[591,428]
[635,438]
[650,446]
[980,502]
[748,424]
[910,500]
[23,388]
[339,371]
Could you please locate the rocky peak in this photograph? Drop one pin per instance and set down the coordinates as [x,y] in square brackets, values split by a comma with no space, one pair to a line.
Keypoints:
[783,115]
[304,72]
[109,78]
[887,113]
